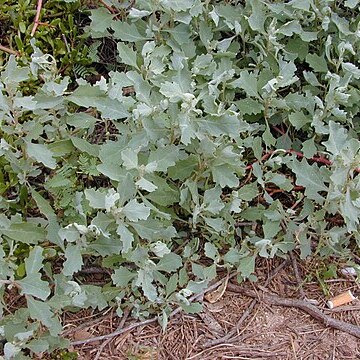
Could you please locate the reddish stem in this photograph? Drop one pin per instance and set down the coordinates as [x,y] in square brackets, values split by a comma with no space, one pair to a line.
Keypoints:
[37,17]
[318,159]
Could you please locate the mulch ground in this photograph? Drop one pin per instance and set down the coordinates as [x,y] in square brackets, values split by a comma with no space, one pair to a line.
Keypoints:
[265,332]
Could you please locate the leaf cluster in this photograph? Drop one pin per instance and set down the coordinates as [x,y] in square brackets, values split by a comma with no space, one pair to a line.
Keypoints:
[239,139]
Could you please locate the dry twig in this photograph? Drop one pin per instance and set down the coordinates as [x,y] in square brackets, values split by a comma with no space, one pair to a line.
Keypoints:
[302,305]
[9,51]
[297,275]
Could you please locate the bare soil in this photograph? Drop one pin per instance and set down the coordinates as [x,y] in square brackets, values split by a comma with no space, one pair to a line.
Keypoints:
[268,332]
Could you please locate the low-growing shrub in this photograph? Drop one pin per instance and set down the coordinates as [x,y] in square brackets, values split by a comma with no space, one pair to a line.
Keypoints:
[231,132]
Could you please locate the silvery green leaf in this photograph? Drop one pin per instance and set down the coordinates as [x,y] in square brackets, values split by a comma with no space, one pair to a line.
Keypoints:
[130,158]
[100,20]
[122,276]
[337,138]
[126,237]
[177,5]
[146,185]
[25,102]
[96,198]
[106,246]
[43,205]
[224,175]
[298,119]
[127,55]
[248,82]
[74,261]
[13,74]
[218,224]
[180,33]
[183,168]
[83,145]
[351,3]
[81,120]
[40,311]
[137,14]
[135,211]
[212,200]
[169,263]
[309,177]
[308,148]
[164,157]
[28,233]
[93,96]
[211,251]
[126,32]
[318,63]
[41,153]
[351,68]
[311,78]
[11,351]
[159,249]
[247,265]
[144,280]
[33,263]
[33,285]
[350,211]
[258,16]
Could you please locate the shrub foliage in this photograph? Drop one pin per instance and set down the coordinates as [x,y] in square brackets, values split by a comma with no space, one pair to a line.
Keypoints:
[228,131]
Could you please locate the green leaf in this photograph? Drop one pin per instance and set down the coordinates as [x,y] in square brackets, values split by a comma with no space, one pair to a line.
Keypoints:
[92,96]
[33,285]
[337,138]
[126,32]
[169,263]
[318,63]
[73,261]
[122,276]
[28,233]
[100,20]
[247,266]
[126,237]
[41,311]
[33,263]
[257,17]
[135,211]
[43,205]
[41,153]
[127,55]
[309,177]
[248,82]
[145,280]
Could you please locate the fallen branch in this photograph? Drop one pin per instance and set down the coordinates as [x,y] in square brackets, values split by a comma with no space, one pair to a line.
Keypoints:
[37,17]
[302,305]
[9,51]
[149,321]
